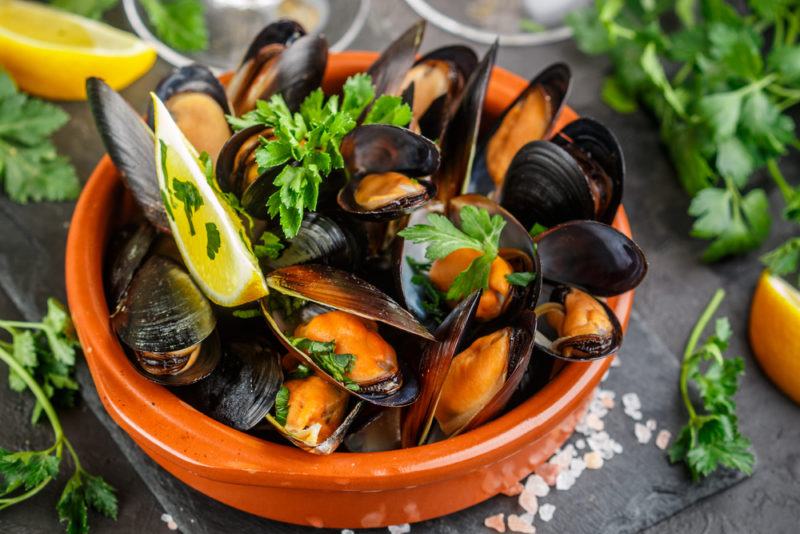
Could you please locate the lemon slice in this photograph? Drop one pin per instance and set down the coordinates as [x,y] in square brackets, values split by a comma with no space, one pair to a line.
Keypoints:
[209,233]
[50,52]
[775,332]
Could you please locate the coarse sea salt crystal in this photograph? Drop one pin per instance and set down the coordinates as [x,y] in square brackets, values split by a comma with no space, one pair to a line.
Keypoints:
[643,434]
[348,531]
[166,518]
[576,466]
[537,485]
[580,444]
[400,529]
[529,502]
[616,362]
[172,525]
[593,460]
[651,424]
[546,512]
[518,524]
[565,480]
[662,439]
[496,522]
[548,472]
[631,400]
[634,414]
[594,422]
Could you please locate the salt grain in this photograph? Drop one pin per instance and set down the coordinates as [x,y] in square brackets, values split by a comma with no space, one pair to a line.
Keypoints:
[347,531]
[631,401]
[565,480]
[546,512]
[593,460]
[580,444]
[513,491]
[518,524]
[548,472]
[662,440]
[615,361]
[643,434]
[166,518]
[577,466]
[594,422]
[496,522]
[529,502]
[400,529]
[537,485]
[651,424]
[172,525]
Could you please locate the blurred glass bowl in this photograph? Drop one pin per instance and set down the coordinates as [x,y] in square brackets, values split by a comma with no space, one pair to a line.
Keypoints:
[514,22]
[232,24]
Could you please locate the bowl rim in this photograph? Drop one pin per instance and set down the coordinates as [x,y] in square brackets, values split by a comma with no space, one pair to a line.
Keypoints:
[166,426]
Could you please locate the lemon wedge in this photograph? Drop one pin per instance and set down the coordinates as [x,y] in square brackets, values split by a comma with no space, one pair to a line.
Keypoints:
[50,52]
[209,233]
[775,332]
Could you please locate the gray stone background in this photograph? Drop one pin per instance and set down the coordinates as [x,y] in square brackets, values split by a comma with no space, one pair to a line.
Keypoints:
[636,491]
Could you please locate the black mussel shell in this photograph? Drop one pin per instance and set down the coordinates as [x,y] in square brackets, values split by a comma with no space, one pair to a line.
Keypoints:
[516,247]
[599,154]
[129,143]
[380,148]
[301,68]
[391,67]
[545,185]
[127,259]
[461,61]
[242,389]
[592,256]
[555,81]
[178,369]
[192,78]
[461,134]
[593,346]
[283,32]
[162,310]
[329,239]
[232,165]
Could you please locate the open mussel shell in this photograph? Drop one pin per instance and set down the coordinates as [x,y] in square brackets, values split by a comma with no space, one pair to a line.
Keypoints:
[197,101]
[389,70]
[377,151]
[516,247]
[127,259]
[330,239]
[461,133]
[327,289]
[281,60]
[129,143]
[380,432]
[331,443]
[598,333]
[434,84]
[457,333]
[597,151]
[242,389]
[530,117]
[168,323]
[592,256]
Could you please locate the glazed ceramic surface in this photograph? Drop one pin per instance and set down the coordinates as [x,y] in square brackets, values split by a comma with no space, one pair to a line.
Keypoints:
[342,490]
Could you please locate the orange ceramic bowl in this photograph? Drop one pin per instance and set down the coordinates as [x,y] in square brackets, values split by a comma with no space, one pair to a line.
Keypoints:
[343,490]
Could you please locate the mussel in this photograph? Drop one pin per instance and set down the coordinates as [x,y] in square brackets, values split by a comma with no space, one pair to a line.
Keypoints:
[129,143]
[530,117]
[197,101]
[167,323]
[434,84]
[283,60]
[583,327]
[469,376]
[579,175]
[329,321]
[386,165]
[389,70]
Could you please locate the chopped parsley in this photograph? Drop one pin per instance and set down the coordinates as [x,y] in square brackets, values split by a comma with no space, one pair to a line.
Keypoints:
[479,231]
[269,246]
[521,279]
[212,240]
[282,405]
[323,353]
[301,371]
[187,193]
[537,229]
[249,313]
[433,300]
[306,143]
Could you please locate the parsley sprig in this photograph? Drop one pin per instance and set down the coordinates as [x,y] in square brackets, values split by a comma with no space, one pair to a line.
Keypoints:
[711,438]
[479,231]
[41,358]
[306,143]
[30,167]
[324,354]
[179,23]
[282,405]
[721,83]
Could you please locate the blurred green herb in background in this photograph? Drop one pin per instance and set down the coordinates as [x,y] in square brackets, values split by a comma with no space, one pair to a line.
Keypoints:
[179,23]
[720,82]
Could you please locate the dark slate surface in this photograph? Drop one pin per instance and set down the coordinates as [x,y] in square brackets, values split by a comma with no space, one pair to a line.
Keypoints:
[633,492]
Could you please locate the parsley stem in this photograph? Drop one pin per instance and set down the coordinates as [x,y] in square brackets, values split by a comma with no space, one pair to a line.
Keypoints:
[779,179]
[11,501]
[691,345]
[21,324]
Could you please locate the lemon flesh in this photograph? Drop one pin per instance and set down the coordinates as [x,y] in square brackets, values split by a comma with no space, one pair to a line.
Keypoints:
[775,332]
[50,52]
[208,232]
